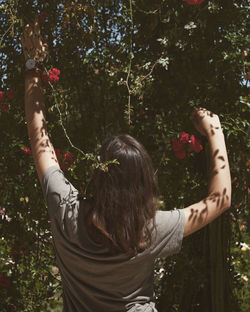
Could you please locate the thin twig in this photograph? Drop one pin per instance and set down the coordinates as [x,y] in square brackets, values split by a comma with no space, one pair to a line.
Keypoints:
[6,33]
[90,156]
[130,63]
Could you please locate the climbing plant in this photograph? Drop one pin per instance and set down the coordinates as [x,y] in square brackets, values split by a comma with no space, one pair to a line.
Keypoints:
[136,67]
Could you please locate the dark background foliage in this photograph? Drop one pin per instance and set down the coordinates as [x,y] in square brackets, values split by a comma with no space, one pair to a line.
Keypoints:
[136,67]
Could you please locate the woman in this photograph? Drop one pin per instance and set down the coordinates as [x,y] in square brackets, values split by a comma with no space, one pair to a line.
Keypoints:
[105,248]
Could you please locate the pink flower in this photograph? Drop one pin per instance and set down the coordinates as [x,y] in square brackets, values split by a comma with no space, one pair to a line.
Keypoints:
[194,2]
[195,144]
[183,137]
[178,148]
[4,107]
[10,94]
[4,281]
[42,16]
[1,96]
[26,150]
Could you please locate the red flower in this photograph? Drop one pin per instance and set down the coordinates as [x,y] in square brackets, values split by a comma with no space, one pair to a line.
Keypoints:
[194,2]
[4,107]
[55,71]
[53,78]
[68,157]
[42,16]
[1,96]
[195,144]
[65,160]
[183,137]
[178,148]
[27,150]
[10,94]
[4,281]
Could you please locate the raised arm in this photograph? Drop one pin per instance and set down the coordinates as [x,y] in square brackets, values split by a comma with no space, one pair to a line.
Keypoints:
[219,189]
[42,149]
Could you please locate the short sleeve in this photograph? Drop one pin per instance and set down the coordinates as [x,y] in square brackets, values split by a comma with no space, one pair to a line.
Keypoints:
[168,236]
[61,198]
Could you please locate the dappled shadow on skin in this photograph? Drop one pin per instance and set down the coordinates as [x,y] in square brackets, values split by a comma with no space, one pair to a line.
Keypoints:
[199,215]
[39,135]
[214,171]
[218,198]
[210,114]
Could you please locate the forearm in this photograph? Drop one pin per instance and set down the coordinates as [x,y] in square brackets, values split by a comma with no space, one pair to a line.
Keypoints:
[219,187]
[36,123]
[34,104]
[219,173]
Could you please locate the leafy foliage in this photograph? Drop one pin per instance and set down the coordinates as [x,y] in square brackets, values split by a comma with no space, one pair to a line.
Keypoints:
[137,67]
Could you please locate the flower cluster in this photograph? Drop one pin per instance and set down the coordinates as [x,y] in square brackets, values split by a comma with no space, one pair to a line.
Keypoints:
[185,143]
[52,76]
[66,160]
[10,94]
[194,2]
[26,150]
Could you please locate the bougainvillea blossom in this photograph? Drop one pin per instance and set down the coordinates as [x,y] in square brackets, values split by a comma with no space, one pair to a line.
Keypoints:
[10,94]
[193,2]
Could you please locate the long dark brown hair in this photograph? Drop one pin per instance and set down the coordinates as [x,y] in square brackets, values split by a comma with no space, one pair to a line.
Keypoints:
[123,206]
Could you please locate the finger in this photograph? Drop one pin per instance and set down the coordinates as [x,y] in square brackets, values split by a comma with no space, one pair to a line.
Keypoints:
[28,31]
[36,26]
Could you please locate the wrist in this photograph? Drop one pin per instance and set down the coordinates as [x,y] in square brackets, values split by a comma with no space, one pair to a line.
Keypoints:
[35,72]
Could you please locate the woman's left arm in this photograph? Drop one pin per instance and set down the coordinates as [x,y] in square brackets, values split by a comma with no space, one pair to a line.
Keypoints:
[42,149]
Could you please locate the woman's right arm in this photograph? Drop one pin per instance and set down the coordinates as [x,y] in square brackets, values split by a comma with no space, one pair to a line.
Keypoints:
[219,190]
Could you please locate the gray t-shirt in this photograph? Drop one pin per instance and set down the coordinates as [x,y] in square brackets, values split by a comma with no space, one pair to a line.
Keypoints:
[93,280]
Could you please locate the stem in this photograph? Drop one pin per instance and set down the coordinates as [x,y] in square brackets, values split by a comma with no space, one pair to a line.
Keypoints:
[130,64]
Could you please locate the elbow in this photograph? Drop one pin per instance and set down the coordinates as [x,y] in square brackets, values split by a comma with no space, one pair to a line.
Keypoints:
[227,204]
[227,200]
